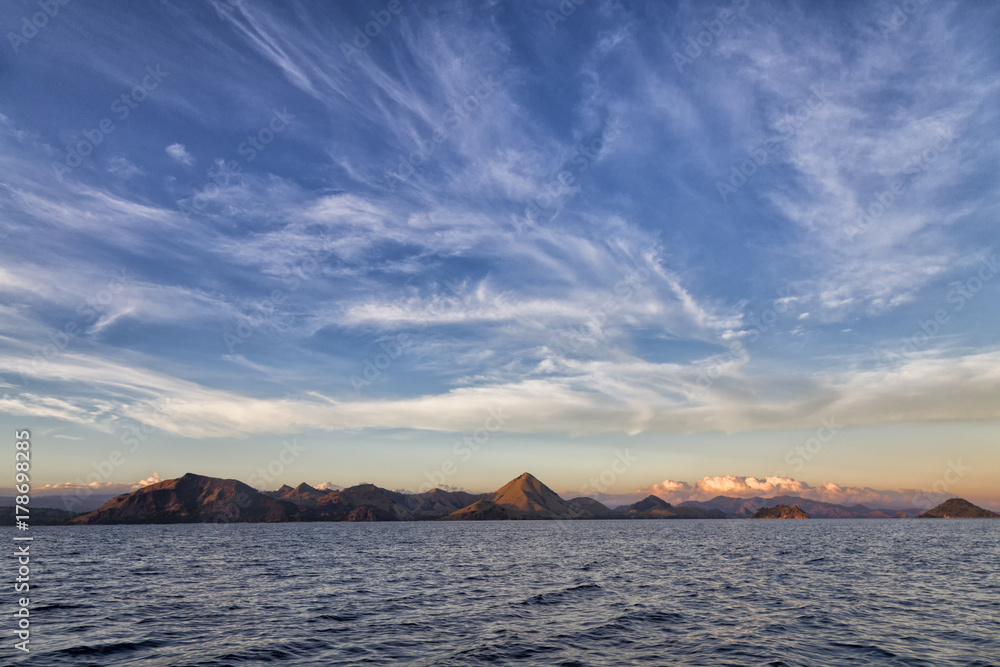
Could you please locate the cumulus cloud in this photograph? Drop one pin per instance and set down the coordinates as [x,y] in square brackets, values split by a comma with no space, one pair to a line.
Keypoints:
[669,486]
[328,486]
[739,486]
[733,484]
[152,479]
[180,153]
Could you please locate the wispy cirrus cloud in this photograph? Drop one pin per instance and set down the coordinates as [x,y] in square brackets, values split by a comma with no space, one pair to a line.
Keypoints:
[320,248]
[565,397]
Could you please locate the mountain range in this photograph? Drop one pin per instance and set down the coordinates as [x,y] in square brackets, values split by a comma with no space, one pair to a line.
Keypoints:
[199,499]
[196,498]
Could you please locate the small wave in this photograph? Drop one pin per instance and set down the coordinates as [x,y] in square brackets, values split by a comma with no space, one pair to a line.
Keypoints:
[868,649]
[661,621]
[111,649]
[337,617]
[269,653]
[556,597]
[59,605]
[652,616]
[264,654]
[583,587]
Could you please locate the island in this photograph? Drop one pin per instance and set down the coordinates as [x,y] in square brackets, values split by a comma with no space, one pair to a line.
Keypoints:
[958,508]
[780,512]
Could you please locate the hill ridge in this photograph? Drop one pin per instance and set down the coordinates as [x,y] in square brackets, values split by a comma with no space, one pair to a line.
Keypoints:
[199,498]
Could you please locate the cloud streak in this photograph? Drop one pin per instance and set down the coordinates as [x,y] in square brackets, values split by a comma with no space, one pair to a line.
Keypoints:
[634,300]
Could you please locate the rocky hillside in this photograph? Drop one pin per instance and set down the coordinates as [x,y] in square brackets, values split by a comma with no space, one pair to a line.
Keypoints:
[364,502]
[193,499]
[958,508]
[593,509]
[534,500]
[780,512]
[484,510]
[654,507]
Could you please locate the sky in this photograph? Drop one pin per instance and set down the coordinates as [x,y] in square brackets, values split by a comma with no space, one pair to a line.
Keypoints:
[675,248]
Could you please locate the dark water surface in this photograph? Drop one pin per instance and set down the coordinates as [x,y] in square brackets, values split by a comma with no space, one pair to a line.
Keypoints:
[823,592]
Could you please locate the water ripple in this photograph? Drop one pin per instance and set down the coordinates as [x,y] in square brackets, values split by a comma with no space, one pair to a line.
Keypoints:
[834,592]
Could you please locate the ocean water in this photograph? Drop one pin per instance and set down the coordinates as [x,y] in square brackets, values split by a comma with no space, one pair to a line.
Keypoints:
[822,592]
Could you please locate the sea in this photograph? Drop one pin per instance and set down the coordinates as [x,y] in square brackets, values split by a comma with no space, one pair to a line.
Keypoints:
[617,592]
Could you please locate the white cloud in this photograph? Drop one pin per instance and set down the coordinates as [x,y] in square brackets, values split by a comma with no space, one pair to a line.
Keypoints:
[69,488]
[566,396]
[854,145]
[738,486]
[180,153]
[152,479]
[328,486]
[123,169]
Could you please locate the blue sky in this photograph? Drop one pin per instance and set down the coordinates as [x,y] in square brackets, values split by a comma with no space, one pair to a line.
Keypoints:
[241,237]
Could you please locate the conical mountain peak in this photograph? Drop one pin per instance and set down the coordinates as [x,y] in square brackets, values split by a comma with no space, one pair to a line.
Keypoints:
[533,499]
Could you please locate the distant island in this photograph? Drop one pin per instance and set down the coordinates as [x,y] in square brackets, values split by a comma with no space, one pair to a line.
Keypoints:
[195,498]
[780,512]
[958,508]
